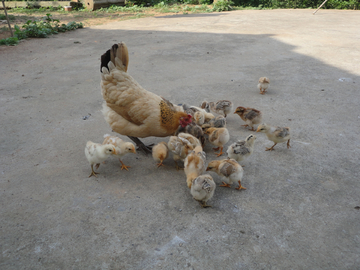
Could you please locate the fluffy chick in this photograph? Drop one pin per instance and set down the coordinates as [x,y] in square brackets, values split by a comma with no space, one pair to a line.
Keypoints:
[275,134]
[202,189]
[160,152]
[199,115]
[229,170]
[242,149]
[180,147]
[263,85]
[250,116]
[193,129]
[223,107]
[194,164]
[218,137]
[218,122]
[122,148]
[97,153]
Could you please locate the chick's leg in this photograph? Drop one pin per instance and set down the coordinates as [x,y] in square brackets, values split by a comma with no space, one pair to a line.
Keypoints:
[288,144]
[160,164]
[240,186]
[146,149]
[224,185]
[221,152]
[204,205]
[93,173]
[271,148]
[123,166]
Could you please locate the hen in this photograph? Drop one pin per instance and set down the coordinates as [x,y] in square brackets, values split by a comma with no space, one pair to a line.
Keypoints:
[202,189]
[194,164]
[122,148]
[131,110]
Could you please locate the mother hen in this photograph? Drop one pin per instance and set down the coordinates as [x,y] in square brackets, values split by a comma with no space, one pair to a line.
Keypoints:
[131,110]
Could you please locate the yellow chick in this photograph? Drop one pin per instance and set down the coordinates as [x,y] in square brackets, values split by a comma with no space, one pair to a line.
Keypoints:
[275,134]
[263,85]
[202,189]
[250,116]
[122,148]
[194,164]
[218,137]
[242,149]
[180,147]
[97,153]
[223,107]
[229,170]
[160,152]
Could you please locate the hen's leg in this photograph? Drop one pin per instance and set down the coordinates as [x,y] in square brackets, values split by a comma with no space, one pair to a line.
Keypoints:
[146,149]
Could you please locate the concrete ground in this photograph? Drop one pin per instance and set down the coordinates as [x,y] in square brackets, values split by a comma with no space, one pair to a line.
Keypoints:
[300,207]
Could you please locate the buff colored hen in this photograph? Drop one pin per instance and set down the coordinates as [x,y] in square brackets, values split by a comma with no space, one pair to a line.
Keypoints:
[131,110]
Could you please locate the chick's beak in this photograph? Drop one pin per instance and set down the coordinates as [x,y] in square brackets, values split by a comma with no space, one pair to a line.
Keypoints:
[133,151]
[114,153]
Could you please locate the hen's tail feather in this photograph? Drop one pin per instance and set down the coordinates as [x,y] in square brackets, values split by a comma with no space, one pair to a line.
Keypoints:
[118,55]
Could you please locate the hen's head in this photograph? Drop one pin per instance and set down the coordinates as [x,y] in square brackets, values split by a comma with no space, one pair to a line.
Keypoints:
[185,120]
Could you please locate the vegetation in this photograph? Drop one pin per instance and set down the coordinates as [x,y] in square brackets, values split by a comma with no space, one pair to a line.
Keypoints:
[39,29]
[140,8]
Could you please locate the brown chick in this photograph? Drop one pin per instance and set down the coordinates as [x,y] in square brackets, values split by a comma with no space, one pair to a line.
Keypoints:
[263,85]
[218,137]
[160,152]
[250,116]
[229,170]
[194,164]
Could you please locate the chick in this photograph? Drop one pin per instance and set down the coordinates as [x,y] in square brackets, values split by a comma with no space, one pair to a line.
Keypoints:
[263,85]
[194,130]
[180,147]
[223,107]
[97,153]
[202,189]
[160,152]
[218,122]
[275,134]
[122,148]
[192,139]
[242,149]
[194,164]
[229,170]
[218,137]
[251,116]
[200,115]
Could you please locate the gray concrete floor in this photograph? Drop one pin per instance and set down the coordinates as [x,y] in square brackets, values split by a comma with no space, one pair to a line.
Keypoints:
[299,209]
